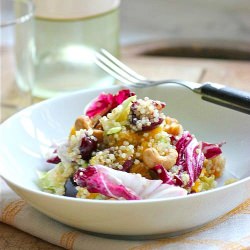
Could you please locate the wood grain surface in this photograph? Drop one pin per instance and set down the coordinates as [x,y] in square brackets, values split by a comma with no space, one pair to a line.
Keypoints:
[234,73]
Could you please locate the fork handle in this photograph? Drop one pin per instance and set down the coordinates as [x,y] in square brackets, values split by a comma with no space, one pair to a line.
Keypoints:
[225,96]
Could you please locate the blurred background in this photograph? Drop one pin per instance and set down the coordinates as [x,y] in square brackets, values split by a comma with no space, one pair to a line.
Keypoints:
[147,20]
[210,23]
[159,19]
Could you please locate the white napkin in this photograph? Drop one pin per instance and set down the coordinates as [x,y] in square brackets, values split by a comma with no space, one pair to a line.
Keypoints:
[229,232]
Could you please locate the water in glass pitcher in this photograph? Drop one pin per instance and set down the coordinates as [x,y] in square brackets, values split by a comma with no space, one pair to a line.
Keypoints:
[64,48]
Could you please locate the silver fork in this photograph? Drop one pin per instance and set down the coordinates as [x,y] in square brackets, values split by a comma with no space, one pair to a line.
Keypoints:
[212,92]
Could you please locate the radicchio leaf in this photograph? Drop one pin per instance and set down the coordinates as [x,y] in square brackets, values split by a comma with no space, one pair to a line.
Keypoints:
[163,174]
[118,184]
[101,106]
[104,103]
[211,150]
[54,158]
[121,96]
[190,157]
[98,181]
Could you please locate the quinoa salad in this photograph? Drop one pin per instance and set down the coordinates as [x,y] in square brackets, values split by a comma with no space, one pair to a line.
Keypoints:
[126,148]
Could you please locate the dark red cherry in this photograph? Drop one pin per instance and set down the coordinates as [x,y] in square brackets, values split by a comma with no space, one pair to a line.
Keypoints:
[87,147]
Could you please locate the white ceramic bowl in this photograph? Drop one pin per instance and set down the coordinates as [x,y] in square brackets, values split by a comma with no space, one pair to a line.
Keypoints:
[26,136]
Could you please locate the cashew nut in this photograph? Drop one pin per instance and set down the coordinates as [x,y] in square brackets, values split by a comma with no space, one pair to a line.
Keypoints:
[98,134]
[83,122]
[151,158]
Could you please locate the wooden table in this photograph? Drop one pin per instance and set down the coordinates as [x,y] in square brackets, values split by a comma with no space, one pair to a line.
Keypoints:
[232,73]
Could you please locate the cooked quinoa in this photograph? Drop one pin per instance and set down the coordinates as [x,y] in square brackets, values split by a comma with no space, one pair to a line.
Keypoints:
[120,140]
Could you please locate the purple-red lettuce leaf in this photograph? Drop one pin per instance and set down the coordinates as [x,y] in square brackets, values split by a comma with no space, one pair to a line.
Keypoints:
[100,106]
[211,150]
[190,156]
[104,103]
[163,174]
[54,158]
[121,96]
[97,181]
[122,185]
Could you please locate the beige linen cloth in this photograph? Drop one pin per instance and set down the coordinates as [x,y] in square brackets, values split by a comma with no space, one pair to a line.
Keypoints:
[229,232]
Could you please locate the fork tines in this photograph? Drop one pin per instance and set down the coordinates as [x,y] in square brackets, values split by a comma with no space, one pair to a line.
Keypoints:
[119,70]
